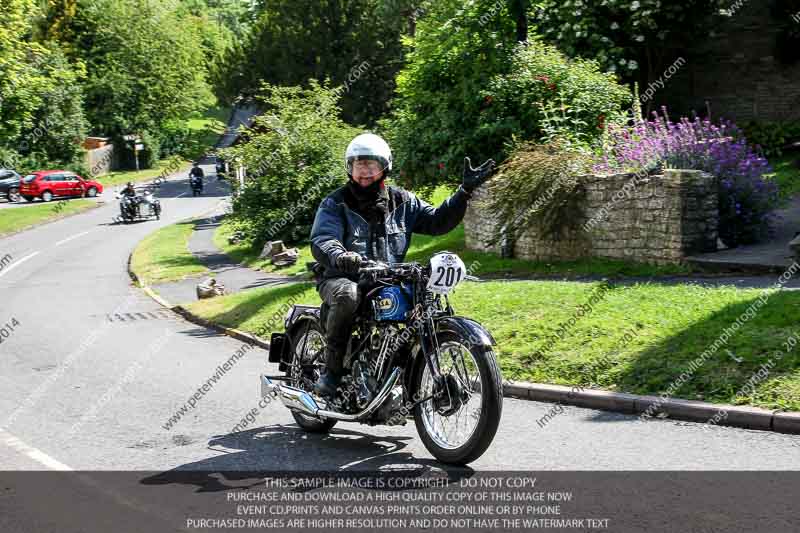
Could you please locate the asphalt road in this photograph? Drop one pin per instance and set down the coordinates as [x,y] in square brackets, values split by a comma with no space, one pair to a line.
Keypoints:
[94,369]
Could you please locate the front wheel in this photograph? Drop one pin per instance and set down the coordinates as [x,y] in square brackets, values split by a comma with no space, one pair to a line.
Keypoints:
[459,424]
[13,195]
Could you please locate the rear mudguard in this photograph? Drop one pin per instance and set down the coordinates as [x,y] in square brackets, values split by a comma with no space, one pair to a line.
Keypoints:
[280,343]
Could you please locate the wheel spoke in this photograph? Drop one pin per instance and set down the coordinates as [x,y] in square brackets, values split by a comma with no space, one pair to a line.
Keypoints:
[455,430]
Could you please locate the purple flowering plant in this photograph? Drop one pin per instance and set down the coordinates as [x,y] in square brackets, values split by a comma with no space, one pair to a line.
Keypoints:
[747,200]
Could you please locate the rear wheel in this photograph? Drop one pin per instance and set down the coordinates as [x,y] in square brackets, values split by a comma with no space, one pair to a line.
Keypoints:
[47,196]
[460,424]
[308,357]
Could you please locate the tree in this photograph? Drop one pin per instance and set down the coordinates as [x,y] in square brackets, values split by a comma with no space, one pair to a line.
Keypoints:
[636,38]
[353,43]
[519,10]
[144,65]
[40,94]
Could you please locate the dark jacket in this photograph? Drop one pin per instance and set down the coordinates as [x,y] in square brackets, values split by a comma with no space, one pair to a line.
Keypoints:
[338,227]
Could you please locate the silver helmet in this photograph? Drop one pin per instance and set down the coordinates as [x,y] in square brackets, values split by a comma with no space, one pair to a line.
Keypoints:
[368,146]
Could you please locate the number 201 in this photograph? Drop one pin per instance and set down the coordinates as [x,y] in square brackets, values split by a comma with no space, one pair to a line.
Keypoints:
[449,274]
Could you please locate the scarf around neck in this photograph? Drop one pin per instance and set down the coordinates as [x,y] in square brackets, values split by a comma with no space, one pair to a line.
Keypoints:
[371,201]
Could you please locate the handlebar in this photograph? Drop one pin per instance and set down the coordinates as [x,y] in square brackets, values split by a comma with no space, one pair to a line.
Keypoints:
[376,267]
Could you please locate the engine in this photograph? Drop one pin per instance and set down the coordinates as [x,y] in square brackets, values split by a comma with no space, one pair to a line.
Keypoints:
[369,366]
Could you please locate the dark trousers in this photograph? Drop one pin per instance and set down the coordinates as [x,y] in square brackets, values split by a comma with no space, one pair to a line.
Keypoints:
[341,296]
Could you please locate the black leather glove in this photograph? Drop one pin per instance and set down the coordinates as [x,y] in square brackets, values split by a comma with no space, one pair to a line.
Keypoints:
[475,177]
[349,262]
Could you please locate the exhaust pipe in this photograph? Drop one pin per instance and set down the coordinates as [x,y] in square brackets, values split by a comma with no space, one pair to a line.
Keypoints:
[292,397]
[301,401]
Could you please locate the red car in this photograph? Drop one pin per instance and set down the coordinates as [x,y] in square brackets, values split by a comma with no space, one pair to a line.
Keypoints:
[47,184]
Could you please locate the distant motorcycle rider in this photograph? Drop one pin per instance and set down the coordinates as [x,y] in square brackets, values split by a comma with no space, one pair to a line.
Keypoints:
[197,171]
[366,219]
[129,190]
[196,178]
[129,201]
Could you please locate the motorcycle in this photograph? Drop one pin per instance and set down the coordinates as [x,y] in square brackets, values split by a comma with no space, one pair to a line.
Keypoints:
[409,355]
[138,207]
[196,183]
[221,168]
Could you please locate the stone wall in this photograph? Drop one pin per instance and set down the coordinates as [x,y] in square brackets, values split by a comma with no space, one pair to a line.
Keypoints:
[651,219]
[733,67]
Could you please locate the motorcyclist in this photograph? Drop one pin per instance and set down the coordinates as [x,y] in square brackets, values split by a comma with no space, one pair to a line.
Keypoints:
[366,219]
[196,175]
[129,190]
[129,199]
[221,167]
[196,171]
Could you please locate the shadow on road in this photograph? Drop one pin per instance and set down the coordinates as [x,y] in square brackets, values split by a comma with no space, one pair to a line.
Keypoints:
[281,450]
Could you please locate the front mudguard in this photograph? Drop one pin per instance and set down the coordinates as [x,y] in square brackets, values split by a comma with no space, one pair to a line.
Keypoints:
[466,328]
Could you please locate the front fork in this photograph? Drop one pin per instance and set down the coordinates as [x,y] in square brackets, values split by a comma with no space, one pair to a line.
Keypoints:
[429,344]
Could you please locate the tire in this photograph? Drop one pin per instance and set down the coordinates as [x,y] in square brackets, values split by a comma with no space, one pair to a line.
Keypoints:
[91,192]
[13,195]
[308,328]
[46,196]
[491,395]
[28,198]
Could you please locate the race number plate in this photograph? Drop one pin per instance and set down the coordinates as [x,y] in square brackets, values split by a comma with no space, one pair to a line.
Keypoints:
[447,271]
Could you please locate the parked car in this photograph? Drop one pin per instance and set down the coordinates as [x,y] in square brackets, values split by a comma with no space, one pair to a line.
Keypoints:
[48,184]
[9,184]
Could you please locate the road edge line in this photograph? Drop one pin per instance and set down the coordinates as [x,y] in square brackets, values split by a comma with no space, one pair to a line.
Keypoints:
[34,454]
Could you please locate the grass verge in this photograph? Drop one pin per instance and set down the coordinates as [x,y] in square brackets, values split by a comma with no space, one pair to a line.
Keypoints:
[637,339]
[164,256]
[210,125]
[786,174]
[18,219]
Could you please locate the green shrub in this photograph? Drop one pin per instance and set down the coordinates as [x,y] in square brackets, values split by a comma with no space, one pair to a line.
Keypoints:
[454,56]
[546,95]
[176,139]
[539,183]
[468,89]
[294,155]
[772,137]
